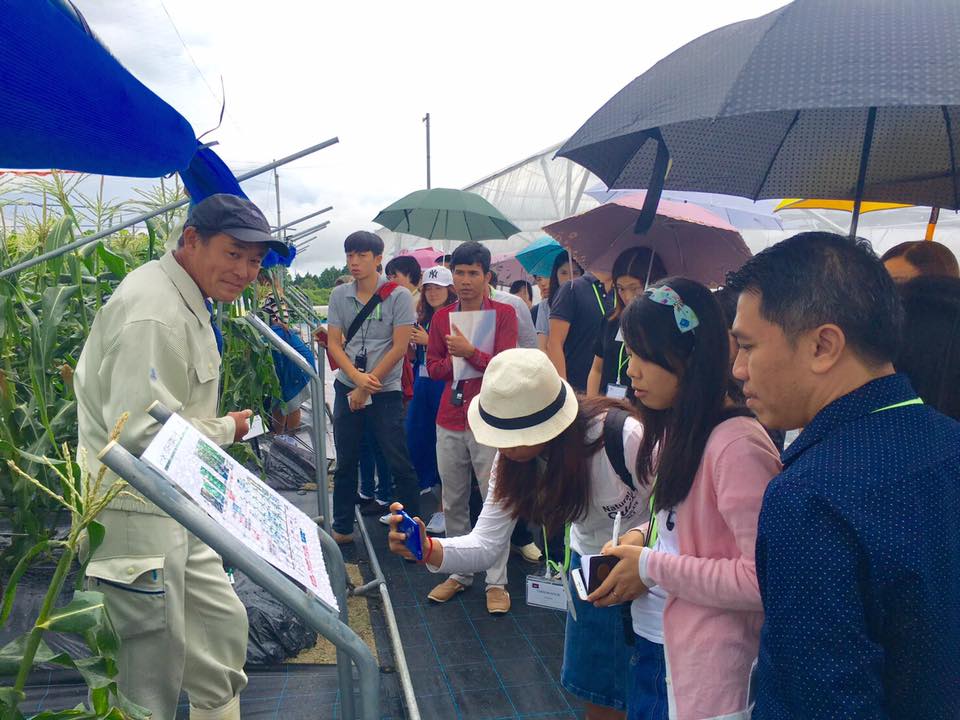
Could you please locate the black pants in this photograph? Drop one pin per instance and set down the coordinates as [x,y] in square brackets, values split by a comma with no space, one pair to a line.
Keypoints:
[385,418]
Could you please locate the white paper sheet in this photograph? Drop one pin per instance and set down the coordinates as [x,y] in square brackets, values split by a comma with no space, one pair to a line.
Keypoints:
[480,328]
[243,504]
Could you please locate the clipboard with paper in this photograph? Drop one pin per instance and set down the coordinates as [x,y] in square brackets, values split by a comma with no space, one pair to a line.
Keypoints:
[480,328]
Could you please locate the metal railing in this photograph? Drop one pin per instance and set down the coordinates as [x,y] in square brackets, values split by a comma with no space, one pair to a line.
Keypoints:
[351,650]
[318,422]
[87,239]
[319,417]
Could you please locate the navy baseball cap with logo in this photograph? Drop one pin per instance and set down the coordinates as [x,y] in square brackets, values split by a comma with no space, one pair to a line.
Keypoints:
[237,217]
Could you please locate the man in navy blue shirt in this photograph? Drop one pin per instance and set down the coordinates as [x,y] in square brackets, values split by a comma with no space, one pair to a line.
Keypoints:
[858,545]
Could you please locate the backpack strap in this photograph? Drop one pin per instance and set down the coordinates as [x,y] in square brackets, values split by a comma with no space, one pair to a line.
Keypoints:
[382,293]
[613,424]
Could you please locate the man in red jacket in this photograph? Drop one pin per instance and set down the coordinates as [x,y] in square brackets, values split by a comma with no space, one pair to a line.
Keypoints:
[458,453]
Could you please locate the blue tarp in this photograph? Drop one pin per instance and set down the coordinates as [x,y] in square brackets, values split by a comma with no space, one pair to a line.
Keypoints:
[66,103]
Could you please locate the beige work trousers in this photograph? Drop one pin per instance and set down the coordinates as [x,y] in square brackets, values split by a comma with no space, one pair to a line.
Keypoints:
[457,454]
[181,624]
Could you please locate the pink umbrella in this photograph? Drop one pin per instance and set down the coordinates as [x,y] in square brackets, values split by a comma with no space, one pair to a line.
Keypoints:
[690,241]
[508,269]
[426,256]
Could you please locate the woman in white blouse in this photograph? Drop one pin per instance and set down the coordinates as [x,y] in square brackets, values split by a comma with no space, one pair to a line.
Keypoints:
[551,468]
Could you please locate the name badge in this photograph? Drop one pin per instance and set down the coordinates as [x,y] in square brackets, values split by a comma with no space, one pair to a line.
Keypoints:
[547,593]
[619,337]
[616,391]
[423,371]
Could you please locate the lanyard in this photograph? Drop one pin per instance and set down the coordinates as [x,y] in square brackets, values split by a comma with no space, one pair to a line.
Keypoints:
[621,365]
[652,532]
[905,403]
[566,552]
[603,310]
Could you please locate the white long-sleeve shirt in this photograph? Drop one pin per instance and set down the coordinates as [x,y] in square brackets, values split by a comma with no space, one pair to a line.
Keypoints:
[608,494]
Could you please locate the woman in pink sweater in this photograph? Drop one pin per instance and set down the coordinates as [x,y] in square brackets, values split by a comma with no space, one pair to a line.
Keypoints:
[711,462]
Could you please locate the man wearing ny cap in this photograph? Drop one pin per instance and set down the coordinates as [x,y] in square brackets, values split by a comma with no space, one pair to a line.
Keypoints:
[181,624]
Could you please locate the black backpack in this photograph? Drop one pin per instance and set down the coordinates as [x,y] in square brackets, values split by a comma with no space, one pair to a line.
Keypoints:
[613,443]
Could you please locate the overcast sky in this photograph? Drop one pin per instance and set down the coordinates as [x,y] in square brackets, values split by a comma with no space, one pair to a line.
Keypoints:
[501,81]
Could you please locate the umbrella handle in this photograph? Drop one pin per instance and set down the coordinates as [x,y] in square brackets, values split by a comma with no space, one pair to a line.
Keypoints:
[661,166]
[932,223]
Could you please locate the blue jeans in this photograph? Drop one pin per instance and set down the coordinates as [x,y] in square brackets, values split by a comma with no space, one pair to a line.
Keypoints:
[647,683]
[385,420]
[372,458]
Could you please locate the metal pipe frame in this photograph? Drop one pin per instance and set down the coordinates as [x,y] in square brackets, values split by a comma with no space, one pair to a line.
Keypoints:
[299,220]
[318,424]
[308,231]
[81,242]
[318,616]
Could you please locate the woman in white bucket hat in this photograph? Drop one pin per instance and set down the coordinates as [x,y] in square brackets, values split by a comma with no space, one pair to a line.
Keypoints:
[551,467]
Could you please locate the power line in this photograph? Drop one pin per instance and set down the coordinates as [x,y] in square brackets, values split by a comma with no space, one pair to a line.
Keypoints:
[203,77]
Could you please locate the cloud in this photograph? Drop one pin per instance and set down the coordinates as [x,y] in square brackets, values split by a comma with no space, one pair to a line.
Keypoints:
[501,82]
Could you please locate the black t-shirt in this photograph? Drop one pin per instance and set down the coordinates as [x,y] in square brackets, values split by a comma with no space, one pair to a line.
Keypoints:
[582,302]
[613,354]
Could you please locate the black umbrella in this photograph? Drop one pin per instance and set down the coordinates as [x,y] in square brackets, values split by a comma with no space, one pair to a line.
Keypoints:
[855,99]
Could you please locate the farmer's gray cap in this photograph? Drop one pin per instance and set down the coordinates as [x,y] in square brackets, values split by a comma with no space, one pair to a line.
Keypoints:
[237,217]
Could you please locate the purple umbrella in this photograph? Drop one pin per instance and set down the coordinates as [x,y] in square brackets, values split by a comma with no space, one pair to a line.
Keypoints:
[508,269]
[690,241]
[740,212]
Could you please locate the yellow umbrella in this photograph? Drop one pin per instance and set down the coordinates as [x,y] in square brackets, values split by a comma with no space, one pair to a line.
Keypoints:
[847,206]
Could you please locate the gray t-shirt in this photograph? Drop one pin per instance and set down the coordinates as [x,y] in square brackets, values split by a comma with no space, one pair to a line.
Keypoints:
[376,333]
[543,318]
[526,335]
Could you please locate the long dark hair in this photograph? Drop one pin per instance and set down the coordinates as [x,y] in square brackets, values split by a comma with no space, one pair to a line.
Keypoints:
[930,354]
[635,262]
[561,494]
[558,262]
[425,310]
[701,361]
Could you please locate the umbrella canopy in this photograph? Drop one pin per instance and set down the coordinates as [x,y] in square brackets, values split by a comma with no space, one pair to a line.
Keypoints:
[690,241]
[508,269]
[425,256]
[821,98]
[447,214]
[743,214]
[537,258]
[848,206]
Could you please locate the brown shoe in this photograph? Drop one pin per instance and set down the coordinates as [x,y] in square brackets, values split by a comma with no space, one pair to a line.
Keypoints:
[341,539]
[446,590]
[498,600]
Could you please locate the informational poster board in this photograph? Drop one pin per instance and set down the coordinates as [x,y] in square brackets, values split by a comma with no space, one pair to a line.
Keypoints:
[243,504]
[480,328]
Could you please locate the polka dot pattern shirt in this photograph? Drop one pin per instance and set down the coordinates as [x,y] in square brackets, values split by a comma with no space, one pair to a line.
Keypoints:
[858,559]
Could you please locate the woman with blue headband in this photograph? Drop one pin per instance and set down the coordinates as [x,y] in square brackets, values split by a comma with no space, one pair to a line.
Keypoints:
[707,462]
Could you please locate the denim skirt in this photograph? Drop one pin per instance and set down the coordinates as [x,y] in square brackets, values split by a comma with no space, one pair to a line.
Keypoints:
[596,656]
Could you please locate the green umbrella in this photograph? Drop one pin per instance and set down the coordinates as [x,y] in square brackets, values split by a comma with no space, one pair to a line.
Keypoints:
[446,214]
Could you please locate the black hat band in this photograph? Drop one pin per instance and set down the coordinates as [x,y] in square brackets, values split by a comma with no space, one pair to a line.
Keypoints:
[525,421]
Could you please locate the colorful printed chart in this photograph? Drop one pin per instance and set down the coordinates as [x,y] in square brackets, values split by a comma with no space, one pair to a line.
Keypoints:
[239,501]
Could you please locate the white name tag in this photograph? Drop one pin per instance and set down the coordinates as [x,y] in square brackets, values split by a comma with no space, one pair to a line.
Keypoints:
[617,392]
[546,593]
[619,337]
[423,371]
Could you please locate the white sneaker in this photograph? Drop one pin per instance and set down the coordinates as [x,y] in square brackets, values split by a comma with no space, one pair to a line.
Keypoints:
[437,524]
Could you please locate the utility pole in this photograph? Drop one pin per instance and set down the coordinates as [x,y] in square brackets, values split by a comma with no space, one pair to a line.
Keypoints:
[426,119]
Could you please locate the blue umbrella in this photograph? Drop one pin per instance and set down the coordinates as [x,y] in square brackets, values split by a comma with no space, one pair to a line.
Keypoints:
[537,257]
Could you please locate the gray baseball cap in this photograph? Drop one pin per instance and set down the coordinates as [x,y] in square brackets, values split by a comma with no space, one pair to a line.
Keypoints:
[237,217]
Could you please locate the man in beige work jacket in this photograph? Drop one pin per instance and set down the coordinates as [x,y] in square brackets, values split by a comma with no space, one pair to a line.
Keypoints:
[182,626]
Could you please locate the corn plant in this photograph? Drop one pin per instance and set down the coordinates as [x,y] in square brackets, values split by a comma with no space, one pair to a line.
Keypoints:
[45,316]
[86,613]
